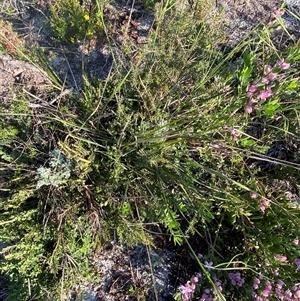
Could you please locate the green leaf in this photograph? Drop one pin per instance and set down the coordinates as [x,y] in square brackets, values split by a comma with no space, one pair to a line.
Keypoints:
[271,107]
[292,85]
[247,142]
[126,209]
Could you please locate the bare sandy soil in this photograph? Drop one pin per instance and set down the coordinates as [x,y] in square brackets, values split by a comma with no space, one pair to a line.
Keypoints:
[237,18]
[241,16]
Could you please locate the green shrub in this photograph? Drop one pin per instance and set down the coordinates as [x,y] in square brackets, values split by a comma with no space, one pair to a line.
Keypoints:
[72,21]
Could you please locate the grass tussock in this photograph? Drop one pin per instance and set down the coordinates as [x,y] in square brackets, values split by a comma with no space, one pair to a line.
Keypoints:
[183,136]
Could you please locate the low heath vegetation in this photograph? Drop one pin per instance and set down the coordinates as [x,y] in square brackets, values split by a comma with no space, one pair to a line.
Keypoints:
[183,136]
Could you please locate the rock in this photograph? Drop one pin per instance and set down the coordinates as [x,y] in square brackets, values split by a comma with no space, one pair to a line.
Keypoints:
[127,274]
[20,74]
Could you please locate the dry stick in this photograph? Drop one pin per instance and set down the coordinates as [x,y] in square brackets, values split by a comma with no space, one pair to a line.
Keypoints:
[130,15]
[152,273]
[44,103]
[73,76]
[150,262]
[63,93]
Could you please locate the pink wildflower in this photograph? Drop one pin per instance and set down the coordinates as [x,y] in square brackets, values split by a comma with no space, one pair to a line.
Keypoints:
[262,209]
[281,258]
[266,293]
[280,284]
[253,195]
[270,76]
[249,105]
[276,273]
[268,285]
[234,133]
[264,94]
[264,203]
[265,80]
[283,65]
[249,109]
[256,283]
[268,69]
[187,290]
[288,294]
[279,294]
[251,90]
[296,241]
[277,12]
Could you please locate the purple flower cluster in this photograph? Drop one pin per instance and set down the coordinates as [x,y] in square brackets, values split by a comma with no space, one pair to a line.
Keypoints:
[264,290]
[261,90]
[264,203]
[236,279]
[234,132]
[187,290]
[283,258]
[209,293]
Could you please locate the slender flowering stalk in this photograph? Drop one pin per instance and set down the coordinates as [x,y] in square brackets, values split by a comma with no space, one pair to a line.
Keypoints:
[256,92]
